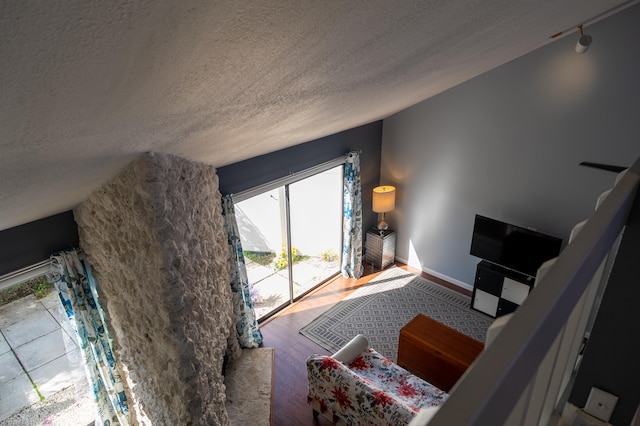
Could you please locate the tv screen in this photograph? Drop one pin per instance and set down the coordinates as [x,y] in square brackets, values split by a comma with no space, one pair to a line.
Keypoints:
[511,246]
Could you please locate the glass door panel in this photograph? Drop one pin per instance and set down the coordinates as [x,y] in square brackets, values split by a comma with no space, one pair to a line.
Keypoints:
[316,229]
[263,233]
[311,218]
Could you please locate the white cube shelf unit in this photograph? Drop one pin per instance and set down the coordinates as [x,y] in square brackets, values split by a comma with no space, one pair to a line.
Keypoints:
[499,291]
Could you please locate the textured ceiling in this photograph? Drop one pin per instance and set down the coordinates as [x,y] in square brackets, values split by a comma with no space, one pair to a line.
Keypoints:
[85,86]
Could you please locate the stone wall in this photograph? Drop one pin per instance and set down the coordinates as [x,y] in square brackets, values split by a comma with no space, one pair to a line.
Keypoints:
[154,236]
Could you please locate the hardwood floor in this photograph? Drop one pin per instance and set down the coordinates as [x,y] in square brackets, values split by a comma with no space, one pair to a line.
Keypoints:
[281,332]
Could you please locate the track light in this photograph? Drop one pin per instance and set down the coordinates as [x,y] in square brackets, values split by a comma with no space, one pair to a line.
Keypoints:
[583,42]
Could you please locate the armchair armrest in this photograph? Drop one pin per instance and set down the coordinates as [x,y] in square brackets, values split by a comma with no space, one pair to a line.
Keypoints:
[351,350]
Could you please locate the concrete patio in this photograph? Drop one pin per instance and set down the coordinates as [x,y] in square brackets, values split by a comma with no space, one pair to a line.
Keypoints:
[41,373]
[39,359]
[271,286]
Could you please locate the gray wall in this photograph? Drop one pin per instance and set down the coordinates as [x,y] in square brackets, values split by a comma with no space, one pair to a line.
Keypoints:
[507,145]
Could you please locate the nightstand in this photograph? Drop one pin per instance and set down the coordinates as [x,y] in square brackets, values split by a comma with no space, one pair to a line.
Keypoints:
[380,248]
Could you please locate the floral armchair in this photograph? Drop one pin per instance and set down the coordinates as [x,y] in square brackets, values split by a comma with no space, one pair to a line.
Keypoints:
[359,386]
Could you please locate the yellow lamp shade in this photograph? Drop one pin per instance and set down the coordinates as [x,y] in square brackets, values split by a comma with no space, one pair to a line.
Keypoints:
[384,198]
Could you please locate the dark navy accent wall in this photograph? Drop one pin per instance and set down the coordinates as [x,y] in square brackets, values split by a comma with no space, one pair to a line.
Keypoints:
[33,242]
[266,168]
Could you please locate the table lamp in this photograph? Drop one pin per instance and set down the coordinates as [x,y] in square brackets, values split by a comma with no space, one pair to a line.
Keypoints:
[384,200]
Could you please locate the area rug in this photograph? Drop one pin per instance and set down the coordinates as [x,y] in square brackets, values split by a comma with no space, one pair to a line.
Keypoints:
[248,382]
[379,309]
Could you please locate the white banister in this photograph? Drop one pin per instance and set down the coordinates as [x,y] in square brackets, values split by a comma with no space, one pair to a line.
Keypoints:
[489,390]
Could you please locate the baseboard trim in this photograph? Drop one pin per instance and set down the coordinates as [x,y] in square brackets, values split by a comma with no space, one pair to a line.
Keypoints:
[437,274]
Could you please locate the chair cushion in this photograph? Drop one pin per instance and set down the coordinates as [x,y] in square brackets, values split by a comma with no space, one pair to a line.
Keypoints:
[393,380]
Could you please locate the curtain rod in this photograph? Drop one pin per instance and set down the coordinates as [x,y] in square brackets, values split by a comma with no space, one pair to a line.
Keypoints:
[24,274]
[290,178]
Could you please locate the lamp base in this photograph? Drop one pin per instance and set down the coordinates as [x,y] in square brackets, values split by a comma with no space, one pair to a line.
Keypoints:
[382,225]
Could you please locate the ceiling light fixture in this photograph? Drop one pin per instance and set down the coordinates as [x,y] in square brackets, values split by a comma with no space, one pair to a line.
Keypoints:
[583,42]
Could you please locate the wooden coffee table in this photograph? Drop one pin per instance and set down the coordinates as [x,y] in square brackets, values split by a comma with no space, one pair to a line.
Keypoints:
[435,352]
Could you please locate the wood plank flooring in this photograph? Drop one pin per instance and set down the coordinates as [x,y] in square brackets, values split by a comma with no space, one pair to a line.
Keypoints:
[281,332]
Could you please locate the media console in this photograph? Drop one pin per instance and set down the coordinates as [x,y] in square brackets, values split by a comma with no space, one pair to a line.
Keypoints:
[511,256]
[499,291]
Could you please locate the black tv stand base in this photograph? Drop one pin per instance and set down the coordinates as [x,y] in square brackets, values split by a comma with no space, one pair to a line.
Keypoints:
[498,290]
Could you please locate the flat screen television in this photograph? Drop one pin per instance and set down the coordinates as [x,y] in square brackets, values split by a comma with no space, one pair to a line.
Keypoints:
[511,246]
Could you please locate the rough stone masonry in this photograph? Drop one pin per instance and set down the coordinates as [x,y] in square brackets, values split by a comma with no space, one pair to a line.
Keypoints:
[155,239]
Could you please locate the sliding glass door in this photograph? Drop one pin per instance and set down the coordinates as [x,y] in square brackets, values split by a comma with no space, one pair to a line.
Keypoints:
[292,238]
[316,229]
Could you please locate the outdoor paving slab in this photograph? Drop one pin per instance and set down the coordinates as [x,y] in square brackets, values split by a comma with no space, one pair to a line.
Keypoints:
[16,394]
[273,291]
[274,286]
[4,346]
[42,335]
[61,317]
[60,373]
[18,310]
[58,313]
[257,273]
[70,337]
[9,368]
[51,300]
[34,325]
[42,350]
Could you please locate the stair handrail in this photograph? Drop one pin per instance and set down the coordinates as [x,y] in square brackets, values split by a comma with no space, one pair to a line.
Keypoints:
[493,384]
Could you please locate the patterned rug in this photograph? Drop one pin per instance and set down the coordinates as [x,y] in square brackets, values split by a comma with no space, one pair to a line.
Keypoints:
[379,309]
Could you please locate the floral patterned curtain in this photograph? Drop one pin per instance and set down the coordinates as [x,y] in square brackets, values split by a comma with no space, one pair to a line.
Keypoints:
[352,219]
[249,334]
[76,287]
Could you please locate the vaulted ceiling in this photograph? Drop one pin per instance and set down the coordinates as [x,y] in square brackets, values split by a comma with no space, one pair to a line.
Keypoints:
[87,85]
